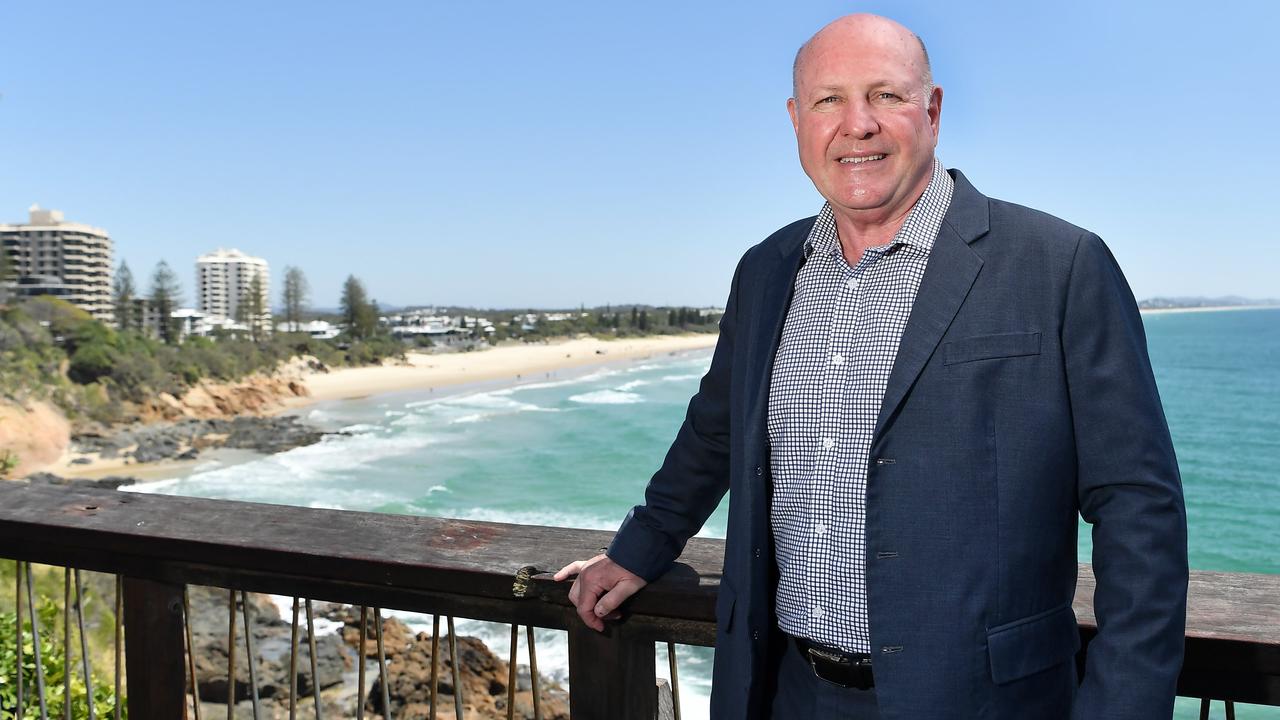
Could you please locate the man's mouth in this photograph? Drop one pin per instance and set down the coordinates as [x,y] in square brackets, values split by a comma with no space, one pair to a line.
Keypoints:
[861,159]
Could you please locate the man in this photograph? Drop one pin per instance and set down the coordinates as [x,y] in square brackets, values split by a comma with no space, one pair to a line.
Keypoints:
[913,397]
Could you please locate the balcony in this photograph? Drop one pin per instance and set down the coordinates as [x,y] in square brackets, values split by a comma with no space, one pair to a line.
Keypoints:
[486,571]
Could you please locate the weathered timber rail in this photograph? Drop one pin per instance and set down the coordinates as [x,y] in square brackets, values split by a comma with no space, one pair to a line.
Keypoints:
[464,568]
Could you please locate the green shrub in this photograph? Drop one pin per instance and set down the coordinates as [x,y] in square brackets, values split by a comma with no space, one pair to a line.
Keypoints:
[92,360]
[55,672]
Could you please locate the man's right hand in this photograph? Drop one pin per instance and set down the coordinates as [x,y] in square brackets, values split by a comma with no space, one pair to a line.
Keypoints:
[601,586]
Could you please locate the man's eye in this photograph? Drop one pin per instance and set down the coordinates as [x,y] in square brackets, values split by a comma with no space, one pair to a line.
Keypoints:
[886,96]
[829,99]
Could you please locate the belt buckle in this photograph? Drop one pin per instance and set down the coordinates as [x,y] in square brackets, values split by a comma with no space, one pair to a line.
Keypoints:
[814,655]
[844,666]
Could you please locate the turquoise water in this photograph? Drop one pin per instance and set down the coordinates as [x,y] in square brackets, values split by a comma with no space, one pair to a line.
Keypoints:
[577,450]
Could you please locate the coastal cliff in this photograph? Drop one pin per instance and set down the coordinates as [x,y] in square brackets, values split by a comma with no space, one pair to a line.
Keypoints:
[37,436]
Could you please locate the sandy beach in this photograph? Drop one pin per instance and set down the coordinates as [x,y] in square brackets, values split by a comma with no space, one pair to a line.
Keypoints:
[418,371]
[421,371]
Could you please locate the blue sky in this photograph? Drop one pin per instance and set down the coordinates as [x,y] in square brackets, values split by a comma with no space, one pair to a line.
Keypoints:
[550,154]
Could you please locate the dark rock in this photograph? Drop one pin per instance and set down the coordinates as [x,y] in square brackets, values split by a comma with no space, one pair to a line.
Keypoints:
[210,612]
[109,483]
[270,434]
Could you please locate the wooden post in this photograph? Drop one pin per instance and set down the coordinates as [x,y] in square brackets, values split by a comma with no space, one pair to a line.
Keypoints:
[154,650]
[615,675]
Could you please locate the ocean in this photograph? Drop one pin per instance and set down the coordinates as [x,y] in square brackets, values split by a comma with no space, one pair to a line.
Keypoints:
[575,449]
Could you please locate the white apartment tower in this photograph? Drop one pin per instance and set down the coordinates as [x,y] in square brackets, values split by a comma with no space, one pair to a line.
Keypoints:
[50,256]
[223,278]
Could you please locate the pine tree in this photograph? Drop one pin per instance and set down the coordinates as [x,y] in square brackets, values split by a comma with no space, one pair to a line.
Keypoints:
[295,294]
[165,294]
[123,294]
[252,308]
[644,320]
[358,315]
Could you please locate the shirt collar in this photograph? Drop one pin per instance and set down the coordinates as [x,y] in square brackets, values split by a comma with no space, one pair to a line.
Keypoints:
[918,230]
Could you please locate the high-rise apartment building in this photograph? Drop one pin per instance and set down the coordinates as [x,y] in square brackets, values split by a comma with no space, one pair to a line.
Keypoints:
[223,281]
[50,256]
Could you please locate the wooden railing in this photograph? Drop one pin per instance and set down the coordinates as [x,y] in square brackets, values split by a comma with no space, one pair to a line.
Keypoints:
[160,544]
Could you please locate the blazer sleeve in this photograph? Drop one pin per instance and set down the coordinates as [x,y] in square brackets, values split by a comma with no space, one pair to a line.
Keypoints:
[1130,491]
[695,474]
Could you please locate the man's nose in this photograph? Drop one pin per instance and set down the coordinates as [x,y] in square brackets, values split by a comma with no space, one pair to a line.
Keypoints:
[859,120]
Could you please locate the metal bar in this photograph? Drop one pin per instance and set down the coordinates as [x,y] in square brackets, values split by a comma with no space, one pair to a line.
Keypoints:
[435,662]
[533,675]
[315,674]
[1204,708]
[457,670]
[511,673]
[675,681]
[248,654]
[66,643]
[17,615]
[293,664]
[382,665]
[119,669]
[231,656]
[35,644]
[154,636]
[84,646]
[1231,709]
[364,633]
[191,652]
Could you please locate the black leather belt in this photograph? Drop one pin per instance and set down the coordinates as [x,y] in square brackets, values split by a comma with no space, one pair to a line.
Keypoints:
[848,670]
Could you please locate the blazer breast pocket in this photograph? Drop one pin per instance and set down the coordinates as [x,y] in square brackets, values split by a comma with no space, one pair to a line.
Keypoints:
[990,347]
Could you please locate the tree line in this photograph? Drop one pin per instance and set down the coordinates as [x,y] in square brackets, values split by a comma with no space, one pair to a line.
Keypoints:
[164,295]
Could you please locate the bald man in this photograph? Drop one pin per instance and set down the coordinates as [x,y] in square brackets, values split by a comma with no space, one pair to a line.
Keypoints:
[914,396]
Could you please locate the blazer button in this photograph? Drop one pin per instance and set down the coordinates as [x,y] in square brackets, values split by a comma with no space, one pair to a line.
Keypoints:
[757,552]
[759,471]
[755,634]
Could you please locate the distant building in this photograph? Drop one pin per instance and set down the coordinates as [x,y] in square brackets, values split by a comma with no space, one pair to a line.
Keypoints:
[51,256]
[318,329]
[223,279]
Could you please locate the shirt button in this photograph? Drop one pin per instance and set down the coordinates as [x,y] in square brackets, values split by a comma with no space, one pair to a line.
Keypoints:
[817,612]
[837,359]
[852,283]
[820,528]
[828,443]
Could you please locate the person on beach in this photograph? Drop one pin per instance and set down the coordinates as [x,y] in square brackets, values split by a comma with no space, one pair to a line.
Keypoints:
[914,396]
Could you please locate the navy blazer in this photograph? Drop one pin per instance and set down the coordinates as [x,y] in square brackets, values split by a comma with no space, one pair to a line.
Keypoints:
[1021,397]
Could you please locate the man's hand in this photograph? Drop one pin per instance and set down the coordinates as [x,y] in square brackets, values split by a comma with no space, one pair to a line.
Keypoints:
[602,585]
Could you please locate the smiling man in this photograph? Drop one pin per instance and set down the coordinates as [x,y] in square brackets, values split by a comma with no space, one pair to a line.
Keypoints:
[915,396]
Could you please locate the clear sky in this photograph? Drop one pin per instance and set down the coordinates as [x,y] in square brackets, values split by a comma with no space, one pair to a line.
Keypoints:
[556,153]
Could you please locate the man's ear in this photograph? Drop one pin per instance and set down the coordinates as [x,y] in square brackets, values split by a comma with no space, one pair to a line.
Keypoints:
[795,121]
[935,110]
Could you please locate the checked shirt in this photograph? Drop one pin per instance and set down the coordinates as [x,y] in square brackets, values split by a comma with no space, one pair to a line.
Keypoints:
[838,347]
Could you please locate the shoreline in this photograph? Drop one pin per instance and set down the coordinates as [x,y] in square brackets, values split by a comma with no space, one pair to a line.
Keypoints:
[421,371]
[513,363]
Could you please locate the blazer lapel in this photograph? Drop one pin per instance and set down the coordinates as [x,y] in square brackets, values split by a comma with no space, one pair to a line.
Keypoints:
[953,266]
[766,326]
